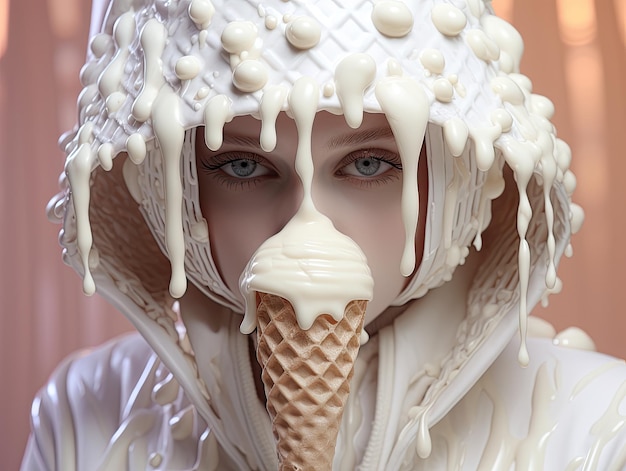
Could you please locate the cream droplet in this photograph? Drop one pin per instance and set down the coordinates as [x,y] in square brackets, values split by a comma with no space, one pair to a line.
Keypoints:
[443,90]
[577,217]
[114,102]
[455,132]
[542,105]
[271,104]
[448,19]
[483,46]
[239,36]
[187,67]
[303,32]
[328,90]
[508,40]
[202,93]
[503,118]
[271,22]
[507,90]
[432,60]
[201,12]
[574,337]
[352,76]
[136,146]
[216,113]
[392,18]
[100,44]
[105,156]
[250,76]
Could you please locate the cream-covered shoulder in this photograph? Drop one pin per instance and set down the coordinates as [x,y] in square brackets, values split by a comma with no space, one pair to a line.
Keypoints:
[115,407]
[565,410]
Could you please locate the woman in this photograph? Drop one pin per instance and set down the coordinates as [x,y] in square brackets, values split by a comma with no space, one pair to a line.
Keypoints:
[319,174]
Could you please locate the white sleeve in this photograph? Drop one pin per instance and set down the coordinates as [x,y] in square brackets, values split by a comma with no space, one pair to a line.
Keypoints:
[76,413]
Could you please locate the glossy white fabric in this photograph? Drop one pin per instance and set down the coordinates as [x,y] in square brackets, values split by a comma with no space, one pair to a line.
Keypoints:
[119,408]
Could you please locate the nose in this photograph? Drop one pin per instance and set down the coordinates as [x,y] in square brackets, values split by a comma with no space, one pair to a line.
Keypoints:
[287,201]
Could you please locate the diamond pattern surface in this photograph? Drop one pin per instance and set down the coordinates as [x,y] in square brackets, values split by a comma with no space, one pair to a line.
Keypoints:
[306,374]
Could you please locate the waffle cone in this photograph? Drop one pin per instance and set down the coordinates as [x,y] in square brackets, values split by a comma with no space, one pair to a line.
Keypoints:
[306,375]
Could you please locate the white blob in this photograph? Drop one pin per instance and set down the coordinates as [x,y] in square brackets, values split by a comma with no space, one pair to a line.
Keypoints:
[443,90]
[100,44]
[114,102]
[573,337]
[508,90]
[303,32]
[577,217]
[250,75]
[271,104]
[448,19]
[187,67]
[392,18]
[352,76]
[239,36]
[503,118]
[105,156]
[216,113]
[271,22]
[433,61]
[201,12]
[136,147]
[508,40]
[482,45]
[456,133]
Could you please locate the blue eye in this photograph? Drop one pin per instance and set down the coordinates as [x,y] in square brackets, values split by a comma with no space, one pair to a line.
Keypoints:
[368,166]
[242,168]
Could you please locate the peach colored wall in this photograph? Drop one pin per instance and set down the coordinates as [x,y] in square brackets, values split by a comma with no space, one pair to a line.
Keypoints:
[575,54]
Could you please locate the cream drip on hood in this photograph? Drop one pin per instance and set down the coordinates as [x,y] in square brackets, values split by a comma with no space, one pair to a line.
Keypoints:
[442,72]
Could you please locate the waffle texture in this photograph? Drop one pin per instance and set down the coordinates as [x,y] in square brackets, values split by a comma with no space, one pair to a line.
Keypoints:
[306,374]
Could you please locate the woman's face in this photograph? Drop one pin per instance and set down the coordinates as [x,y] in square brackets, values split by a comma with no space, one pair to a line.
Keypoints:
[247,195]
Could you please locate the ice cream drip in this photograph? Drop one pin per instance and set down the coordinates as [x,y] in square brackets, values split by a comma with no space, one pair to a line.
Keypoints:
[204,69]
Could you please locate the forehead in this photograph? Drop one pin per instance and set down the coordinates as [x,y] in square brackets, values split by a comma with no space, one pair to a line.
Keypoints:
[328,128]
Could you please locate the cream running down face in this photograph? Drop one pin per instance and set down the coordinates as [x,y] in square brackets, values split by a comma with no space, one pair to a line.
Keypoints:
[248,195]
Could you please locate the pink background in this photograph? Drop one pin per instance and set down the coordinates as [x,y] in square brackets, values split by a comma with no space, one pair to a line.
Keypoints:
[575,55]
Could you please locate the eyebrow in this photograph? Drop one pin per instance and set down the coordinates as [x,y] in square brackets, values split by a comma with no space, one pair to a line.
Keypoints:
[354,138]
[360,137]
[246,141]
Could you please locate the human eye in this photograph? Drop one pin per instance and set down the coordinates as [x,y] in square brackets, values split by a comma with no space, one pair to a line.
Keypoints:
[236,167]
[370,165]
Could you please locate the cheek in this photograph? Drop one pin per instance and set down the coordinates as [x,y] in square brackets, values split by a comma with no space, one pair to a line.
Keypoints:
[240,221]
[236,230]
[383,246]
[375,224]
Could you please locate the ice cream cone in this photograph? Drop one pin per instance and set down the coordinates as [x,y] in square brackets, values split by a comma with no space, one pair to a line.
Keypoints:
[306,374]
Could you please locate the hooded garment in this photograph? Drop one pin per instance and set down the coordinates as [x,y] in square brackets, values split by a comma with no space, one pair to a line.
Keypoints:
[439,385]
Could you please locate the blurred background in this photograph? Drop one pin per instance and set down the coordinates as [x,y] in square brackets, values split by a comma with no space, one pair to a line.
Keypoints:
[575,54]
